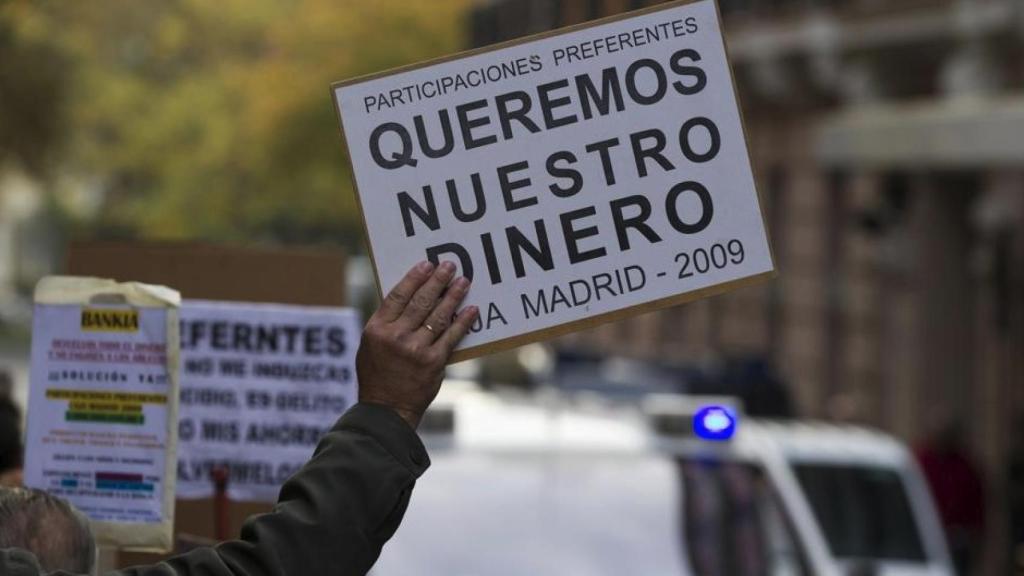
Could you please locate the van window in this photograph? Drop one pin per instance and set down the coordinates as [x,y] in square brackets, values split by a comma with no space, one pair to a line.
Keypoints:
[733,523]
[863,511]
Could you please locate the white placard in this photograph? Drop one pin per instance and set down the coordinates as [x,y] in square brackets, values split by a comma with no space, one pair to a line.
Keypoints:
[102,405]
[579,176]
[260,385]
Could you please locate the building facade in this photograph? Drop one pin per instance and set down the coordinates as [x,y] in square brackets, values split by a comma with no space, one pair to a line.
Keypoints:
[888,141]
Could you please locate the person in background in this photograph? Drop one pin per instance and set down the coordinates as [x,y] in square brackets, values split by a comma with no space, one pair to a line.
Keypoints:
[335,514]
[10,434]
[956,486]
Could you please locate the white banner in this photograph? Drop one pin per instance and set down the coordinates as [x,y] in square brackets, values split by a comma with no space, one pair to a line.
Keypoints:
[578,177]
[260,385]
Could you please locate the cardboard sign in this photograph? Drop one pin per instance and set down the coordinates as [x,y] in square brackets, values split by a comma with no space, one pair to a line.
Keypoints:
[260,384]
[200,271]
[576,177]
[102,412]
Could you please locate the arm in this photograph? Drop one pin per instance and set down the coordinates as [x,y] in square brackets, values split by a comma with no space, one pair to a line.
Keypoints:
[334,516]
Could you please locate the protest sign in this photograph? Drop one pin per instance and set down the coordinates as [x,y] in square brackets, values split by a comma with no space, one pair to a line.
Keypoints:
[287,275]
[577,177]
[260,384]
[102,411]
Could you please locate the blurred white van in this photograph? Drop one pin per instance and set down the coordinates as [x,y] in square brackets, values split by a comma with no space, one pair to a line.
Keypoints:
[538,485]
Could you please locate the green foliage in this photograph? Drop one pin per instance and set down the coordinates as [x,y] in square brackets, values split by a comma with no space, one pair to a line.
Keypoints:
[31,92]
[214,120]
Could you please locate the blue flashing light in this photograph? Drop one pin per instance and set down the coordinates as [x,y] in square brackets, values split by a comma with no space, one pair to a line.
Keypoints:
[715,423]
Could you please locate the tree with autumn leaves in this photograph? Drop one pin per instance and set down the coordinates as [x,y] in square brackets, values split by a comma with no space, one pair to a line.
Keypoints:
[202,120]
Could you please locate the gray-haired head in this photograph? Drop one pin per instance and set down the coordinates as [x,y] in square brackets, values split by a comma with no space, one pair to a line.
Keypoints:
[54,531]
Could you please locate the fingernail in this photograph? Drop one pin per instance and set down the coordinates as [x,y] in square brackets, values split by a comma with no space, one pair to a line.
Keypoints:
[462,283]
[425,266]
[447,267]
[473,310]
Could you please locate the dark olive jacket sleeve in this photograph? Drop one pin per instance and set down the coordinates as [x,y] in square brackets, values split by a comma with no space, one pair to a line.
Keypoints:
[332,517]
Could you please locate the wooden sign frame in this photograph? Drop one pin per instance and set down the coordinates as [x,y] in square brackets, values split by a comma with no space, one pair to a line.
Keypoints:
[598,319]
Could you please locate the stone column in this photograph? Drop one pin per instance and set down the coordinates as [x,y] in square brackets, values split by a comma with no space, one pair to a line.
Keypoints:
[803,286]
[861,306]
